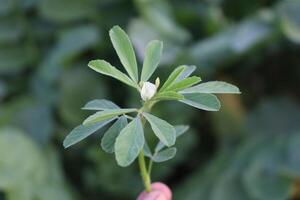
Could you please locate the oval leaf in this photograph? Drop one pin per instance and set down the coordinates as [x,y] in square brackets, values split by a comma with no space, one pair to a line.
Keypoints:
[213,87]
[152,58]
[185,83]
[106,68]
[168,95]
[106,114]
[162,129]
[129,143]
[165,155]
[173,77]
[83,131]
[109,138]
[207,102]
[100,104]
[124,49]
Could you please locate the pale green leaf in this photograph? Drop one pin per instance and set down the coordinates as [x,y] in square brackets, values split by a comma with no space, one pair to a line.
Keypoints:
[185,83]
[165,155]
[129,143]
[100,104]
[109,137]
[152,59]
[213,87]
[162,129]
[188,70]
[106,114]
[207,102]
[168,95]
[172,78]
[106,68]
[124,49]
[81,132]
[147,151]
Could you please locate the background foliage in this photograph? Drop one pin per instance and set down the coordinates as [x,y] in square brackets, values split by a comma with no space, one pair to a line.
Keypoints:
[248,150]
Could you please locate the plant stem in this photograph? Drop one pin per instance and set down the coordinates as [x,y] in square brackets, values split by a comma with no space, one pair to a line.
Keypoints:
[144,173]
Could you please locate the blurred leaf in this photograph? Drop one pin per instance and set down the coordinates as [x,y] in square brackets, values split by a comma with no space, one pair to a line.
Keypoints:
[213,87]
[124,49]
[263,178]
[40,176]
[55,11]
[274,116]
[129,143]
[290,19]
[30,115]
[188,70]
[208,102]
[6,7]
[73,93]
[11,30]
[109,137]
[15,59]
[292,159]
[152,57]
[107,114]
[83,131]
[105,68]
[162,129]
[100,104]
[164,155]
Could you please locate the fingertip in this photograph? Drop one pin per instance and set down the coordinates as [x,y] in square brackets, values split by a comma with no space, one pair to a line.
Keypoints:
[163,188]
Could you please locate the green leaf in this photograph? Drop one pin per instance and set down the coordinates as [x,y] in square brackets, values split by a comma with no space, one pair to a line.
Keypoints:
[213,87]
[81,132]
[164,155]
[106,68]
[129,143]
[162,129]
[188,70]
[185,83]
[180,129]
[152,58]
[147,150]
[106,114]
[109,138]
[124,49]
[168,95]
[100,104]
[172,78]
[207,102]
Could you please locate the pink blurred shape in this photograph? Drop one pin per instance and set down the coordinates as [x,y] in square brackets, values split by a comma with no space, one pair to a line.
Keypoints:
[159,192]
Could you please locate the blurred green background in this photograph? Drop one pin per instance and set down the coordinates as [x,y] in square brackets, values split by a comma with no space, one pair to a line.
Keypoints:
[250,150]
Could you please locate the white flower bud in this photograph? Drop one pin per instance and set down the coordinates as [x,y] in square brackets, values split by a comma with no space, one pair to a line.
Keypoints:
[148,91]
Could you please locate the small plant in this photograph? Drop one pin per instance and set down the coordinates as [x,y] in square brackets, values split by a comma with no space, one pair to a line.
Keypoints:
[125,138]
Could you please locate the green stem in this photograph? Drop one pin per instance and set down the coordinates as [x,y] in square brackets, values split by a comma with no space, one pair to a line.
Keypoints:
[150,167]
[144,173]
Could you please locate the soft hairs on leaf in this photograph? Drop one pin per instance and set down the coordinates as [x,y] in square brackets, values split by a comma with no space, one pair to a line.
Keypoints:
[106,68]
[124,49]
[129,143]
[152,58]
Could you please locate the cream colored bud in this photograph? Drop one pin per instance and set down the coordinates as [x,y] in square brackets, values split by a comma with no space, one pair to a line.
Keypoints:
[148,91]
[157,82]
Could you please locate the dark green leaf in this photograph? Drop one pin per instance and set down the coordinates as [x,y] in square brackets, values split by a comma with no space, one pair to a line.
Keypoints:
[109,137]
[207,102]
[129,143]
